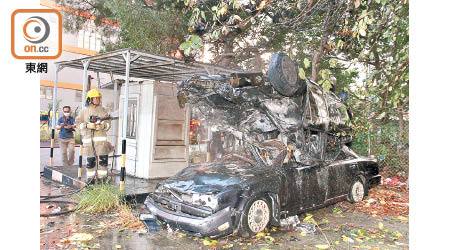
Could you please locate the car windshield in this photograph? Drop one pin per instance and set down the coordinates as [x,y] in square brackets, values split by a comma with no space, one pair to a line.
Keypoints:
[268,154]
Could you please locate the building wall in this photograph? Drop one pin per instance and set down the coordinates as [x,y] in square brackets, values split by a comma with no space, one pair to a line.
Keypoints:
[67,97]
[70,81]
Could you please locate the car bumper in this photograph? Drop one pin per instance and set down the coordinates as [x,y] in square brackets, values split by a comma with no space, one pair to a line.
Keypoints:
[205,226]
[375,180]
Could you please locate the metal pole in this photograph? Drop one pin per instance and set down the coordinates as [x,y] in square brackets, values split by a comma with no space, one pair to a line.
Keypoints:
[124,121]
[85,76]
[114,122]
[114,125]
[52,141]
[83,98]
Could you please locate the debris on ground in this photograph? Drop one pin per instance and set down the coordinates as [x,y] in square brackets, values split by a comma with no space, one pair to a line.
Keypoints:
[306,228]
[152,225]
[290,222]
[293,223]
[56,210]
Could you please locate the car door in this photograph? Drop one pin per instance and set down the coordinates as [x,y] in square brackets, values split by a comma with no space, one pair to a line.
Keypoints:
[305,186]
[339,179]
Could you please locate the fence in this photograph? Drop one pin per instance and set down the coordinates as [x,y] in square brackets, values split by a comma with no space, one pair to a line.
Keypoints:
[389,144]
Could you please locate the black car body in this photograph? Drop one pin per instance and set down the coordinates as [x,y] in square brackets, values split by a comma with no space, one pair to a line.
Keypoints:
[286,153]
[227,188]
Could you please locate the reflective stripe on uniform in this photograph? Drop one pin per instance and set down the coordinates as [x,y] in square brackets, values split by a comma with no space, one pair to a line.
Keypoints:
[102,173]
[96,139]
[90,173]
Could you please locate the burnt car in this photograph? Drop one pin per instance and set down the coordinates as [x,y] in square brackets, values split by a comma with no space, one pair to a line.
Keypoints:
[285,152]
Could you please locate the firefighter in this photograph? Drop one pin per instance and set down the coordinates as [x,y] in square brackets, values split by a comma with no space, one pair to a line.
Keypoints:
[93,129]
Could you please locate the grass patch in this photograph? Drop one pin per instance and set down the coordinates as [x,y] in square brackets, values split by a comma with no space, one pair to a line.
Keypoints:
[99,198]
[104,198]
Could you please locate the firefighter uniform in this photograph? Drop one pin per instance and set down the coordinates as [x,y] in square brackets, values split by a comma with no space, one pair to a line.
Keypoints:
[94,133]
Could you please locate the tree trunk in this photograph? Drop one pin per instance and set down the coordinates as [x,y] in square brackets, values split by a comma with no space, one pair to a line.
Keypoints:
[258,63]
[257,60]
[327,28]
[400,120]
[228,55]
[318,56]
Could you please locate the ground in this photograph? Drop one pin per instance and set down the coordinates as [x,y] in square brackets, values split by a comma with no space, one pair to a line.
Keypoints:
[381,221]
[341,226]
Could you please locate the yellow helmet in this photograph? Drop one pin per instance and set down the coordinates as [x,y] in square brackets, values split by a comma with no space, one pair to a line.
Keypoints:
[91,94]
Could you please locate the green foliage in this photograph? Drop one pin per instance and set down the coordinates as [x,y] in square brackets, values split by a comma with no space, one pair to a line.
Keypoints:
[50,105]
[77,137]
[193,42]
[325,80]
[99,198]
[45,135]
[140,25]
[363,44]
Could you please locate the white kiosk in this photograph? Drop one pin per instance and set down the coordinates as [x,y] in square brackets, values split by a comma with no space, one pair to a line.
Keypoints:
[152,128]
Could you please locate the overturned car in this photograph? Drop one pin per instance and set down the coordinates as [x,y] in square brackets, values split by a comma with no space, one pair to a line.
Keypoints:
[286,151]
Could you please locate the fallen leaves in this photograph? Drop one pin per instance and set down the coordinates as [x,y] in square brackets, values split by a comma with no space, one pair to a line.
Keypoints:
[81,237]
[337,210]
[181,235]
[209,242]
[402,218]
[260,235]
[385,202]
[347,239]
[229,245]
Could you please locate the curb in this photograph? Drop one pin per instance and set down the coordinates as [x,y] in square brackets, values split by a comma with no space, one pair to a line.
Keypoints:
[55,175]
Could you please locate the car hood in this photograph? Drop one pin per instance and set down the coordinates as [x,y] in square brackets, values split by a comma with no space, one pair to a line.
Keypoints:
[211,178]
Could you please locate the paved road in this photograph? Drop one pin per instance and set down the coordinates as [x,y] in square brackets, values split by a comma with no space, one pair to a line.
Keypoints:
[363,231]
[45,156]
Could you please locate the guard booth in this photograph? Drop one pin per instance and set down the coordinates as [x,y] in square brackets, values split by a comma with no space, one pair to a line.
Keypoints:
[157,129]
[152,128]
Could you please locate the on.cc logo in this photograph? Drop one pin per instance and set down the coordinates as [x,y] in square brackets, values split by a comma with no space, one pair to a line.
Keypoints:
[36,34]
[36,29]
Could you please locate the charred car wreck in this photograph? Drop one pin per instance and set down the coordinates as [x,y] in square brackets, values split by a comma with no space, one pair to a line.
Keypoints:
[285,152]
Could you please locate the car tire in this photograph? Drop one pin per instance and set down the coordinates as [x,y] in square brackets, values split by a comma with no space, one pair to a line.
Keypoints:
[255,218]
[357,191]
[283,75]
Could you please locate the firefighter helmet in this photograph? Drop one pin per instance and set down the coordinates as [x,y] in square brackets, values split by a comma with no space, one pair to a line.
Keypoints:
[91,94]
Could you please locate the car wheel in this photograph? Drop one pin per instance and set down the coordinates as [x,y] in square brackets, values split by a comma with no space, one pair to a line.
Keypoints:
[283,74]
[255,218]
[357,191]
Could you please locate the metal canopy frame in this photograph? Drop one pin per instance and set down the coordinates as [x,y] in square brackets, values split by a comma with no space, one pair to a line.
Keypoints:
[137,64]
[146,66]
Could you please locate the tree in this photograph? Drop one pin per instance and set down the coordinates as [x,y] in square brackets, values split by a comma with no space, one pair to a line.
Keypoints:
[376,36]
[137,24]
